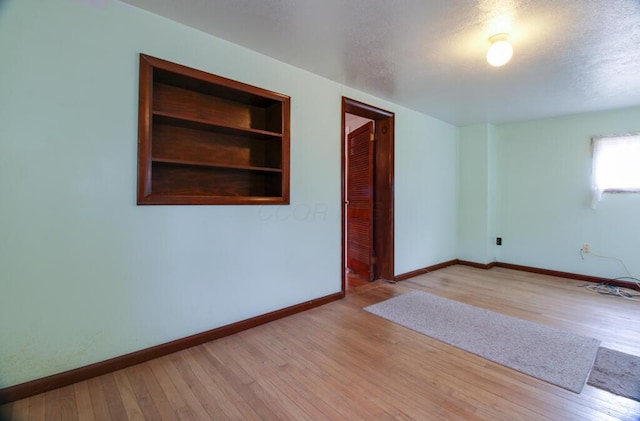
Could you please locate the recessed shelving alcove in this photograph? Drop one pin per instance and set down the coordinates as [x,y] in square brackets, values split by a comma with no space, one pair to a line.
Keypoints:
[206,140]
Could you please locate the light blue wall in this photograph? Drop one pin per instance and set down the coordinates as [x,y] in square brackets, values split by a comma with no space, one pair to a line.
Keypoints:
[529,182]
[544,214]
[476,213]
[426,186]
[87,275]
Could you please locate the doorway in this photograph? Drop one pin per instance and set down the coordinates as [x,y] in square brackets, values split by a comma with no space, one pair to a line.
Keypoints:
[367,211]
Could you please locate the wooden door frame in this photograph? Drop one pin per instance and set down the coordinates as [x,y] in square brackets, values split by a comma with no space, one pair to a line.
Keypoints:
[383,218]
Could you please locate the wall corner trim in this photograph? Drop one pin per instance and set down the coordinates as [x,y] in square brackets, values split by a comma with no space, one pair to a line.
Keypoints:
[477,265]
[66,378]
[427,269]
[539,271]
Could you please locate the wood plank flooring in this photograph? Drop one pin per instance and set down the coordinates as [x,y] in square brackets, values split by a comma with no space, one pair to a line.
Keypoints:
[353,281]
[339,362]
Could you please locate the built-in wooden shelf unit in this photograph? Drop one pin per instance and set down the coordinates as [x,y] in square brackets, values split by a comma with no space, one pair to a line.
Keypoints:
[208,140]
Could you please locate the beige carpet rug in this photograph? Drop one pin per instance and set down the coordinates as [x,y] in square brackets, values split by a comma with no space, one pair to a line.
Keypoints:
[616,372]
[556,356]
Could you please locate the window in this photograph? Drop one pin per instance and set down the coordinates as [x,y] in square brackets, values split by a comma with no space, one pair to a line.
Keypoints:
[616,165]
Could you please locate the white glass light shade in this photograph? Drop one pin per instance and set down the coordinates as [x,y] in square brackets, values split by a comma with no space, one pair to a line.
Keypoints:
[500,51]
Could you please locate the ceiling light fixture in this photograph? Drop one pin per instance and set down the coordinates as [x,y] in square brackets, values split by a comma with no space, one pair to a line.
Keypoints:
[500,51]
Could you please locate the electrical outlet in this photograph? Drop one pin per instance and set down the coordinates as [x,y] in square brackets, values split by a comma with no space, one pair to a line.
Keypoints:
[586,248]
[499,241]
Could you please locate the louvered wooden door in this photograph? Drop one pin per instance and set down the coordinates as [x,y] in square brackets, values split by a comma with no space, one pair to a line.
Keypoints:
[360,166]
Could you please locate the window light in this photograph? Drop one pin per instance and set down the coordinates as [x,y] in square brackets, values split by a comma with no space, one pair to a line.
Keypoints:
[616,165]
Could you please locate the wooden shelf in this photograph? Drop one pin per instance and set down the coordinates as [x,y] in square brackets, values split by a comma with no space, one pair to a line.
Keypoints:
[208,164]
[203,124]
[177,180]
[204,139]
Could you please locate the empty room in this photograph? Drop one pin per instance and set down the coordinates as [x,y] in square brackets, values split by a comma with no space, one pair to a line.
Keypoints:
[362,209]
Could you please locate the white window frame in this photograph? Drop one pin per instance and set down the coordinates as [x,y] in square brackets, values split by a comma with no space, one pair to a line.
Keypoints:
[611,153]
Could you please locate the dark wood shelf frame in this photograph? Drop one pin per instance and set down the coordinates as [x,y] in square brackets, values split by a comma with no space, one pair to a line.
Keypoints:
[207,140]
[202,124]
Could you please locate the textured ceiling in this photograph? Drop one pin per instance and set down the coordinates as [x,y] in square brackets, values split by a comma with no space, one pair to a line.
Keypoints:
[570,56]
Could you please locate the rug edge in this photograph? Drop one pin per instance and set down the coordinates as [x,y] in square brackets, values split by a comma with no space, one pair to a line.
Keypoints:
[593,343]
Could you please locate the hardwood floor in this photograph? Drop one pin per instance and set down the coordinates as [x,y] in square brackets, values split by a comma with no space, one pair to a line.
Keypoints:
[354,282]
[340,362]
